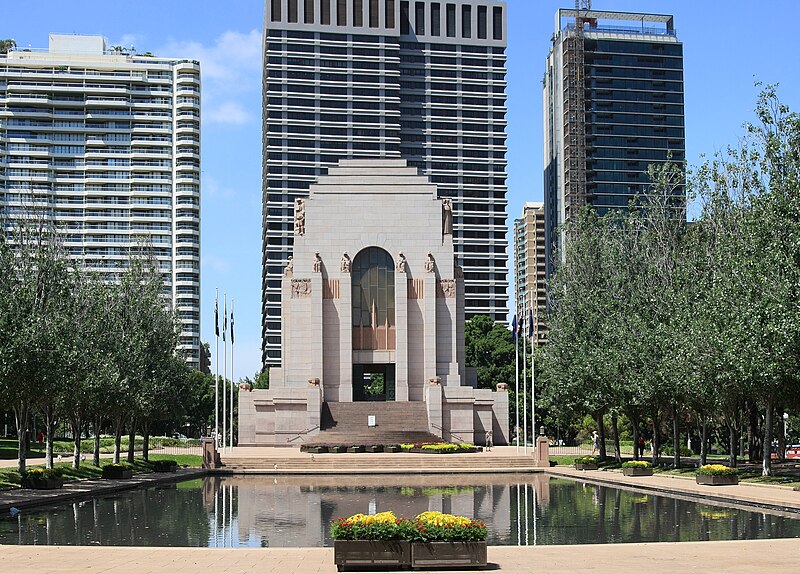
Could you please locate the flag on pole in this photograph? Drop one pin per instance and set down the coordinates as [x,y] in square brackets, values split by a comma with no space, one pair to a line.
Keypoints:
[224,319]
[216,315]
[514,329]
[530,324]
[232,323]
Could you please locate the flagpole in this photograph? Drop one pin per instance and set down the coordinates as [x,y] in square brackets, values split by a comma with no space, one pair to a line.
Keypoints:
[524,383]
[533,374]
[224,369]
[516,377]
[216,378]
[232,419]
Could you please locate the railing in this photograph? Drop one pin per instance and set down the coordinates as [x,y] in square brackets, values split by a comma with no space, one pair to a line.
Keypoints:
[453,435]
[580,448]
[303,433]
[626,30]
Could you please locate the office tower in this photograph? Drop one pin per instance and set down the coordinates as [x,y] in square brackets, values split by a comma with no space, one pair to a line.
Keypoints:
[106,144]
[530,268]
[613,104]
[422,81]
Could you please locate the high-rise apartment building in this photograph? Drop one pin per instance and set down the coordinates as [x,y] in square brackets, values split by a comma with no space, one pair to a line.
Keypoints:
[418,80]
[613,105]
[530,268]
[106,145]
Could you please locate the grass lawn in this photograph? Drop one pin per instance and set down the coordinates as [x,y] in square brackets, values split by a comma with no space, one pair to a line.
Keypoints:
[8,449]
[11,478]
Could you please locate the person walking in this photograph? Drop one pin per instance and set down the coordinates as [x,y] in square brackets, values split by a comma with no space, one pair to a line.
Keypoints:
[489,442]
[641,445]
[595,442]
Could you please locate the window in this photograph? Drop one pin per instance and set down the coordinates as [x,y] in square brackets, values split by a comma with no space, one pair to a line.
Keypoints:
[389,13]
[404,16]
[466,21]
[276,11]
[482,22]
[419,18]
[308,14]
[451,20]
[358,13]
[497,23]
[374,16]
[436,16]
[325,11]
[292,10]
[341,12]
[373,300]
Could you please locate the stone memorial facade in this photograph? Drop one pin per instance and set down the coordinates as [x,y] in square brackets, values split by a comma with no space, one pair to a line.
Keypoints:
[373,309]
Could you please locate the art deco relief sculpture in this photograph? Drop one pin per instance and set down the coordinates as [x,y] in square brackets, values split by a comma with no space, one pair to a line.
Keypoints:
[299,217]
[346,263]
[288,271]
[301,288]
[402,264]
[448,287]
[430,263]
[447,217]
[317,263]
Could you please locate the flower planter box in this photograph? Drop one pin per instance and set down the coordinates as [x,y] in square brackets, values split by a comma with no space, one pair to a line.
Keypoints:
[637,471]
[355,449]
[717,480]
[371,553]
[448,554]
[391,448]
[315,449]
[43,483]
[115,474]
[585,466]
[166,468]
[337,449]
[374,448]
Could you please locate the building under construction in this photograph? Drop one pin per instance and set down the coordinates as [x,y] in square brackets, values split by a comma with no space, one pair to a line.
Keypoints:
[613,105]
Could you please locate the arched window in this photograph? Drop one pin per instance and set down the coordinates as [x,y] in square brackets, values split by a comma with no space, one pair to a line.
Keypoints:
[373,300]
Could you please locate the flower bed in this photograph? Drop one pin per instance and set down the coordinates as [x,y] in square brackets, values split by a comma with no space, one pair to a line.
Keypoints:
[43,479]
[587,462]
[439,448]
[432,539]
[637,468]
[117,471]
[717,475]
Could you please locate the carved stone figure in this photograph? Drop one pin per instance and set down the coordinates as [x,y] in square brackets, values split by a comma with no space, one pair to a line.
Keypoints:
[448,287]
[447,217]
[430,262]
[317,263]
[288,271]
[402,264]
[301,288]
[299,217]
[346,263]
[459,272]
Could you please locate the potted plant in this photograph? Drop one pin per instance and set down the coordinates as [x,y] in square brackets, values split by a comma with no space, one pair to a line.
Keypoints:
[337,448]
[717,475]
[637,468]
[391,448]
[43,478]
[445,540]
[374,448]
[314,448]
[117,471]
[587,462]
[166,465]
[376,540]
[356,448]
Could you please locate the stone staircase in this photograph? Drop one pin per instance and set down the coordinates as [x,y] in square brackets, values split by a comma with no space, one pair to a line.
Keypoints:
[396,422]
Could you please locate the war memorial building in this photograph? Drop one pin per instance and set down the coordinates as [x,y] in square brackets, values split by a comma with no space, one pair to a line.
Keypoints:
[373,313]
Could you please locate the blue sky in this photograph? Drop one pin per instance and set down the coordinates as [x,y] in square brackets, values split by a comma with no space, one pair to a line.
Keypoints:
[727,46]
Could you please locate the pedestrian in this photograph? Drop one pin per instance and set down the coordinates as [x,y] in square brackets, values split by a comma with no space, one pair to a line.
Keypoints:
[489,443]
[595,442]
[641,445]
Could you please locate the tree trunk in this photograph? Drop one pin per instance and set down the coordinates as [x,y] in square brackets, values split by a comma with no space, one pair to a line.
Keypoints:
[117,439]
[21,418]
[676,438]
[733,447]
[146,441]
[752,435]
[635,424]
[50,422]
[132,440]
[655,444]
[704,441]
[766,452]
[615,430]
[75,425]
[602,432]
[96,446]
[781,434]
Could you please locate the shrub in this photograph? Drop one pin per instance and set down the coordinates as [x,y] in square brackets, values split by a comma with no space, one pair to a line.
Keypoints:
[164,465]
[441,447]
[41,473]
[669,451]
[717,470]
[587,460]
[115,470]
[636,464]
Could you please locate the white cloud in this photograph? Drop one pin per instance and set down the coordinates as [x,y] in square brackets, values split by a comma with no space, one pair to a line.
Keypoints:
[230,69]
[215,263]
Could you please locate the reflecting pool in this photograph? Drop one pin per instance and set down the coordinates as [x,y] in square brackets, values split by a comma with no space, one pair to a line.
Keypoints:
[261,511]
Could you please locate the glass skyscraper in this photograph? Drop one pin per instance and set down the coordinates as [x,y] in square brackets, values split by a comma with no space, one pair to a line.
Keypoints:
[613,105]
[418,80]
